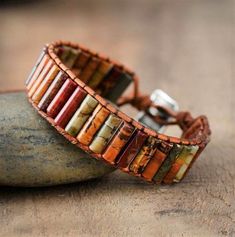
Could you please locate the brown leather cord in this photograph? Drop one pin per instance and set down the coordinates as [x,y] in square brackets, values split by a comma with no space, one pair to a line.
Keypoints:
[144,103]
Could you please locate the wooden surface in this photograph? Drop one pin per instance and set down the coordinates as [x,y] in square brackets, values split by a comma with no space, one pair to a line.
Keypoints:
[185,47]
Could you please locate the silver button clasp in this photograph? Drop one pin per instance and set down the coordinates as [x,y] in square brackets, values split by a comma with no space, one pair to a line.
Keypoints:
[158,97]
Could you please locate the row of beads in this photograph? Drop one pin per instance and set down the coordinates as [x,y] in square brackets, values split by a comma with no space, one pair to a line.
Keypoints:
[82,117]
[201,137]
[98,74]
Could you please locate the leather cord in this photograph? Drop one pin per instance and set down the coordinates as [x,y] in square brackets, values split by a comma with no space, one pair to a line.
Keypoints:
[144,103]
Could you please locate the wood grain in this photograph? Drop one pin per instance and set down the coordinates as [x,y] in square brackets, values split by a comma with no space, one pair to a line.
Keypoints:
[186,48]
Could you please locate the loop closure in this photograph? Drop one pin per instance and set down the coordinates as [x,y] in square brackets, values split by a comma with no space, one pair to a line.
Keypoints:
[144,103]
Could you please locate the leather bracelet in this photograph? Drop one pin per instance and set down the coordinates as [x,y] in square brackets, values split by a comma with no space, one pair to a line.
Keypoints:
[79,92]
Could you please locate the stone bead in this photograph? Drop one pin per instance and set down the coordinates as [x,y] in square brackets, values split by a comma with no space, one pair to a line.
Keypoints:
[35,67]
[81,115]
[70,107]
[65,50]
[61,98]
[132,149]
[52,91]
[40,78]
[89,69]
[166,166]
[76,71]
[155,163]
[168,179]
[105,134]
[72,57]
[38,71]
[138,165]
[181,164]
[45,84]
[59,50]
[99,74]
[82,60]
[109,81]
[122,83]
[186,157]
[121,138]
[92,125]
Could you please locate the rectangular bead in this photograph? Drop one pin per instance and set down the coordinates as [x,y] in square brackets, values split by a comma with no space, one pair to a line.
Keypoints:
[35,67]
[122,83]
[89,69]
[99,74]
[138,165]
[166,166]
[82,60]
[45,84]
[132,149]
[81,115]
[199,151]
[59,51]
[40,78]
[61,98]
[169,178]
[76,71]
[105,134]
[52,91]
[121,138]
[65,50]
[186,156]
[92,125]
[181,164]
[37,72]
[72,57]
[70,107]
[155,163]
[109,81]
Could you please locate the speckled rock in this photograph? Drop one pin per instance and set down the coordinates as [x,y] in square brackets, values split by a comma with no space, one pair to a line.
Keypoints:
[32,153]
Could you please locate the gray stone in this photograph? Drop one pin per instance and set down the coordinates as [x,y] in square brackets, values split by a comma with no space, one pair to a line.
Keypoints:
[32,153]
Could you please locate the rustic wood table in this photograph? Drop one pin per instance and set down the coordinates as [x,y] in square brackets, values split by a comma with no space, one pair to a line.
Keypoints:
[185,47]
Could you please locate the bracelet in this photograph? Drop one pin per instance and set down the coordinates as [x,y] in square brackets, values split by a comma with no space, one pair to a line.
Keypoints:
[79,92]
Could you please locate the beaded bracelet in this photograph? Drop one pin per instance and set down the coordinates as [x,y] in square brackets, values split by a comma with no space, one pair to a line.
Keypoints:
[79,93]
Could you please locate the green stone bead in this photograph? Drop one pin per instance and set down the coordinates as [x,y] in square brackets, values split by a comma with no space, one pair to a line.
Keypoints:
[72,57]
[81,115]
[174,153]
[99,74]
[105,134]
[186,157]
[65,53]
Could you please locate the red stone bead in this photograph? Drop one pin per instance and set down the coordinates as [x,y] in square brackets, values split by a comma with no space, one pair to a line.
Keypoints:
[119,141]
[52,91]
[61,98]
[155,163]
[132,149]
[70,107]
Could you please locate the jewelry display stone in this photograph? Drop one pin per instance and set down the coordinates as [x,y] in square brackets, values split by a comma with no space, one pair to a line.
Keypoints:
[33,154]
